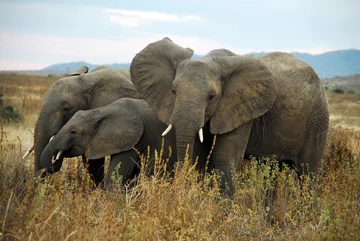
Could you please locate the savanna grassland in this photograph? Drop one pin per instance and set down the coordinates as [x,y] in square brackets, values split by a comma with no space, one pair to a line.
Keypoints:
[269,203]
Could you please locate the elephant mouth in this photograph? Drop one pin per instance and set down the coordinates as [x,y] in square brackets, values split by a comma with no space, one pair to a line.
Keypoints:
[200,132]
[57,157]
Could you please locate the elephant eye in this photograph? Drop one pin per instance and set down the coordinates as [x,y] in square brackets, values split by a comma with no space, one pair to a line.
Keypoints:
[173,91]
[66,108]
[211,96]
[72,132]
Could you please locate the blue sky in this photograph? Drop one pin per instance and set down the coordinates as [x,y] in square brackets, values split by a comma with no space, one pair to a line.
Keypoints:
[38,33]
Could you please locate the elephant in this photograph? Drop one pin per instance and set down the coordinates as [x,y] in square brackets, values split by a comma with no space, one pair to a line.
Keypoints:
[272,105]
[78,91]
[111,130]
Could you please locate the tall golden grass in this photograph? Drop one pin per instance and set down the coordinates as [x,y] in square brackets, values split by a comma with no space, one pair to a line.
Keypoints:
[269,203]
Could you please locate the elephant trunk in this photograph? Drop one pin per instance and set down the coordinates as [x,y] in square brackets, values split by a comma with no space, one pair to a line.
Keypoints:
[41,139]
[185,138]
[43,134]
[46,157]
[188,123]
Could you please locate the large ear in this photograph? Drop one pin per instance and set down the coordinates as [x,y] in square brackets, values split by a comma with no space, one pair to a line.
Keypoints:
[153,71]
[249,90]
[118,130]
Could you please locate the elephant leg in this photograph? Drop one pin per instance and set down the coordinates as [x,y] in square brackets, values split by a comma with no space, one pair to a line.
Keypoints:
[123,165]
[96,169]
[228,154]
[310,157]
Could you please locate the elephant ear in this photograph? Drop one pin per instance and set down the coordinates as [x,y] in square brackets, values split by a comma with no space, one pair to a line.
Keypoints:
[118,130]
[249,90]
[79,71]
[153,71]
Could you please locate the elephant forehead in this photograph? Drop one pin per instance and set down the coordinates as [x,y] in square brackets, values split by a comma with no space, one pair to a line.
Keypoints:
[196,69]
[61,87]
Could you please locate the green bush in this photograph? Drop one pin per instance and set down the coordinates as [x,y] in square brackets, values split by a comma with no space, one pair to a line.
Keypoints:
[351,92]
[338,91]
[9,115]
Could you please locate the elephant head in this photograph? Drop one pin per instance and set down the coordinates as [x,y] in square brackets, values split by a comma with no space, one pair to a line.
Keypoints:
[222,90]
[79,91]
[96,133]
[111,130]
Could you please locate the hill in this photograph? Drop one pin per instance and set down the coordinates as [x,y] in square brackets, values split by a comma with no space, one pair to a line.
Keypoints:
[335,63]
[331,64]
[68,67]
[327,65]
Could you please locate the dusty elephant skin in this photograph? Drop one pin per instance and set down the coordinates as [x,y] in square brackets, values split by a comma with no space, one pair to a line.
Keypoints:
[260,106]
[111,130]
[79,91]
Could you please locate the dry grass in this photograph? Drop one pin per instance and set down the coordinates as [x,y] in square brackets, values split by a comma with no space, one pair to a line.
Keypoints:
[269,204]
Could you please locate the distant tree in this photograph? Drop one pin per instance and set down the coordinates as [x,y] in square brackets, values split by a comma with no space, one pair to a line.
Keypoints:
[338,91]
[8,114]
[1,100]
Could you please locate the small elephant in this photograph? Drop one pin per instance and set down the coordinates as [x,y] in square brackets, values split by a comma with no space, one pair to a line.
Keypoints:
[111,130]
[260,106]
[79,91]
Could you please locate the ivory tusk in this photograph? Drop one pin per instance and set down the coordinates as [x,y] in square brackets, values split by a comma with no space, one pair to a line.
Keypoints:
[27,153]
[201,137]
[58,156]
[167,130]
[51,138]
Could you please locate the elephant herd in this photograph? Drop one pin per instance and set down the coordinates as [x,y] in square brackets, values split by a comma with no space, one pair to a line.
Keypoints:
[263,106]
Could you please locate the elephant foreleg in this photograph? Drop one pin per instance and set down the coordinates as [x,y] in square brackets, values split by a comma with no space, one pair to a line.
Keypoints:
[228,154]
[123,165]
[96,169]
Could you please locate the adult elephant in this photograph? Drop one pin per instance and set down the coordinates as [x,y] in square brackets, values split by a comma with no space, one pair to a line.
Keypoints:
[111,130]
[79,91]
[260,106]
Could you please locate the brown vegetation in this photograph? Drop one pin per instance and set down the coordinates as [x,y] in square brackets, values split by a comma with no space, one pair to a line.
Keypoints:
[269,203]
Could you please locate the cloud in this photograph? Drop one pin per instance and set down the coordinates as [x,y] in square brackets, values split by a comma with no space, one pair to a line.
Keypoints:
[135,18]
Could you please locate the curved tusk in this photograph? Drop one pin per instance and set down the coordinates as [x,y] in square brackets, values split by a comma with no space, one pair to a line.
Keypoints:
[167,130]
[51,138]
[201,137]
[27,153]
[58,156]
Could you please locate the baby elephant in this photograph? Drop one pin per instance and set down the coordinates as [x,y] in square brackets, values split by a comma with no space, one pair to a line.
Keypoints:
[111,130]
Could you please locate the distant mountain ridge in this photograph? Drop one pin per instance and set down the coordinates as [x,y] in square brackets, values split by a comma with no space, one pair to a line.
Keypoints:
[68,67]
[331,64]
[327,65]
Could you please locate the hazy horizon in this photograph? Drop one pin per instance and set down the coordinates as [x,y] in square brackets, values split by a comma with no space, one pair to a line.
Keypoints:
[35,33]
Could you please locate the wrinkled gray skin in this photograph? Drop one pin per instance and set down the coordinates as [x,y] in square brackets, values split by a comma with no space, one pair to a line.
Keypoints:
[260,106]
[113,130]
[79,91]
